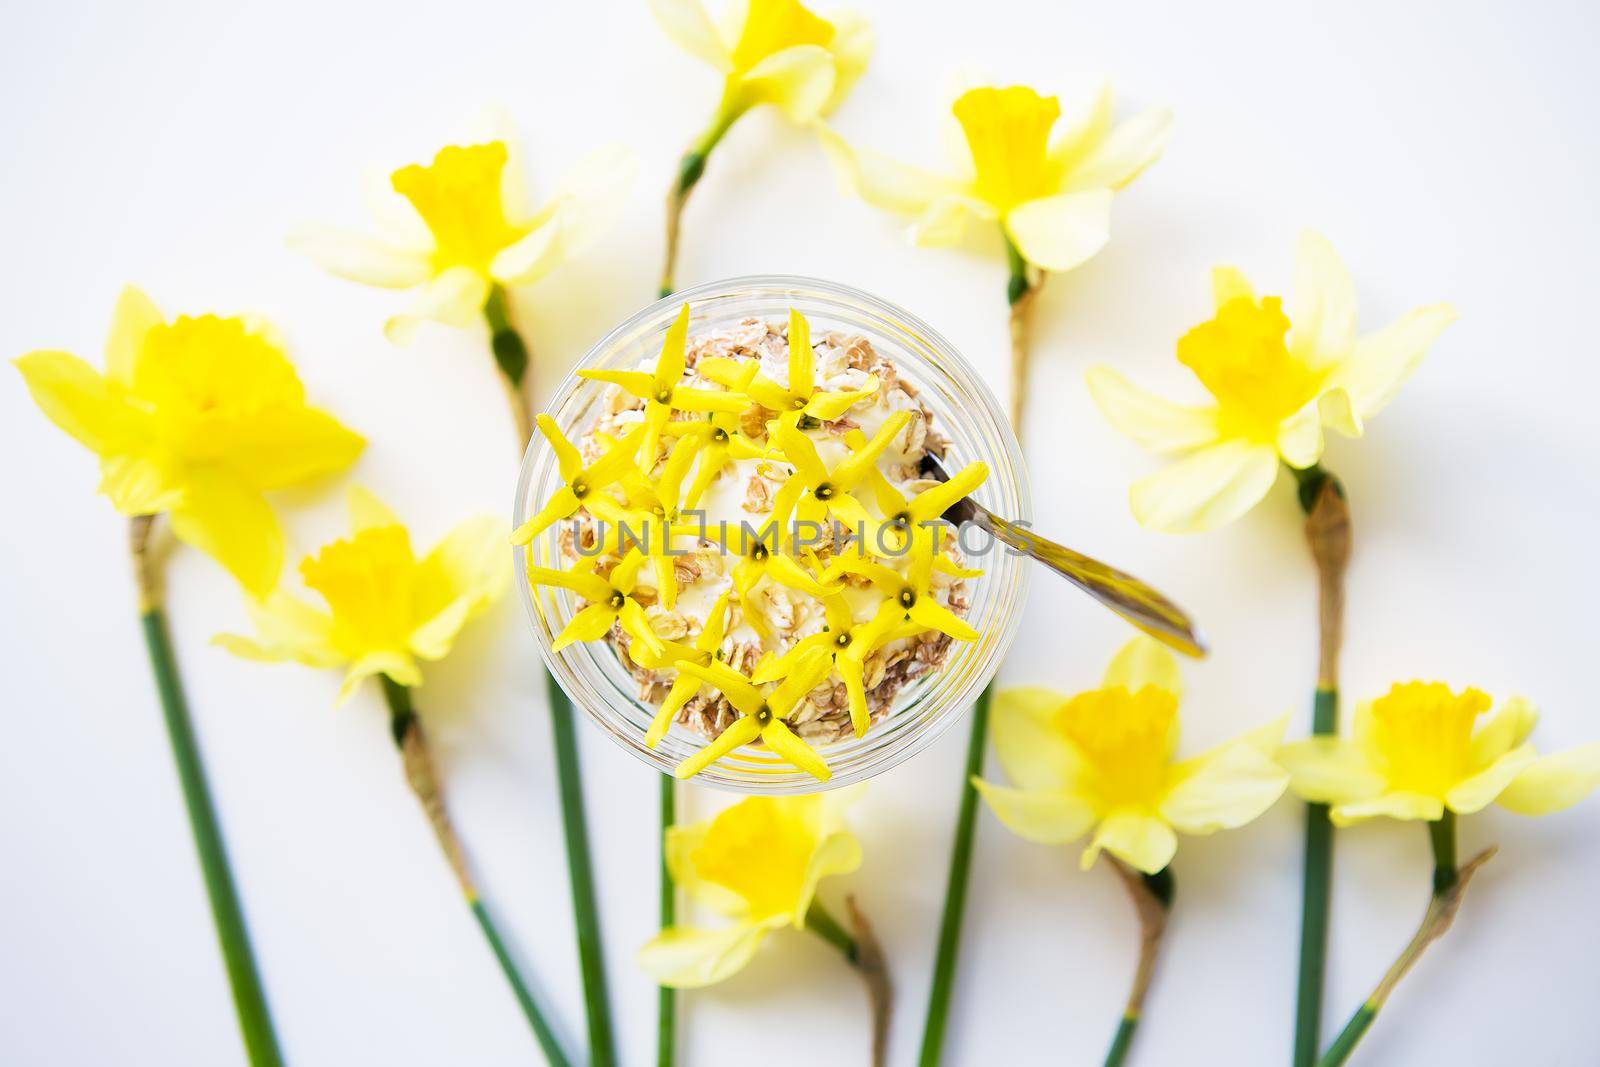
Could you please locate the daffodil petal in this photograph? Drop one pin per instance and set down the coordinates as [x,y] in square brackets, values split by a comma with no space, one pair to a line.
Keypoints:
[1477,792]
[359,258]
[799,80]
[533,255]
[880,180]
[454,297]
[1324,316]
[1123,155]
[688,26]
[285,446]
[1382,361]
[684,958]
[1300,436]
[678,848]
[1148,420]
[1394,805]
[140,485]
[838,853]
[1554,783]
[77,398]
[1205,490]
[1034,753]
[397,665]
[1144,661]
[1047,817]
[471,564]
[1223,789]
[233,524]
[133,317]
[851,48]
[1229,284]
[1143,842]
[944,221]
[1338,410]
[1507,728]
[1064,231]
[1329,770]
[286,628]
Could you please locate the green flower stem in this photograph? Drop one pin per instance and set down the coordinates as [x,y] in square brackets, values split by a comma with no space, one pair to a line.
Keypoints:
[666,996]
[1449,885]
[249,998]
[405,727]
[955,893]
[1322,498]
[511,356]
[690,170]
[1151,895]
[591,955]
[862,951]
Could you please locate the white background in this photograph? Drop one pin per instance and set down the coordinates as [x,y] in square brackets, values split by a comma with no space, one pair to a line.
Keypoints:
[1449,152]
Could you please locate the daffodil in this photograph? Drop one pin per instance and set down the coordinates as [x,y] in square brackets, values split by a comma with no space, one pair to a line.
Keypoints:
[1102,761]
[758,864]
[455,229]
[800,397]
[580,481]
[386,608]
[769,52]
[721,443]
[1423,748]
[611,600]
[196,418]
[663,390]
[1276,382]
[761,715]
[1050,197]
[827,490]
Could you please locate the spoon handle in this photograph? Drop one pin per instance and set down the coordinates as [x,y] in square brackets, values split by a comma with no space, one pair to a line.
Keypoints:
[1124,594]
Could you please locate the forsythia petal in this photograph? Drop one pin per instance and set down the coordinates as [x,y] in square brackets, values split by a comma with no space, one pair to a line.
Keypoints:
[1554,783]
[1205,490]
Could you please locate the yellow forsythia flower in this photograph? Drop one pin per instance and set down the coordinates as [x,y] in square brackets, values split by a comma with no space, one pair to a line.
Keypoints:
[758,864]
[195,418]
[1103,760]
[1051,198]
[454,228]
[1420,749]
[1276,384]
[385,608]
[772,52]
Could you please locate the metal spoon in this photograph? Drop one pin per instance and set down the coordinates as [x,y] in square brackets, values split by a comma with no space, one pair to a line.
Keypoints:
[1124,594]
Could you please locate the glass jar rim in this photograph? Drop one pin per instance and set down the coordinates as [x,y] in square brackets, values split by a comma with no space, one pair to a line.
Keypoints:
[964,409]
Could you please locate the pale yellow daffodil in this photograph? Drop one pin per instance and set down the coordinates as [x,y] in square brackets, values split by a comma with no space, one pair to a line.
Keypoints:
[662,389]
[771,52]
[196,418]
[797,398]
[1420,750]
[1276,382]
[1050,197]
[385,607]
[1103,761]
[457,227]
[610,598]
[761,715]
[758,864]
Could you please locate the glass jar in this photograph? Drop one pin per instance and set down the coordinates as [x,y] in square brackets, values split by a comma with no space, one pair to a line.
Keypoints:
[963,409]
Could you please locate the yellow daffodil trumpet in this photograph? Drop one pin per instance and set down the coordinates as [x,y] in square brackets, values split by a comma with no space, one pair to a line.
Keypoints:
[758,864]
[1101,764]
[774,52]
[385,610]
[1425,752]
[197,419]
[1277,380]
